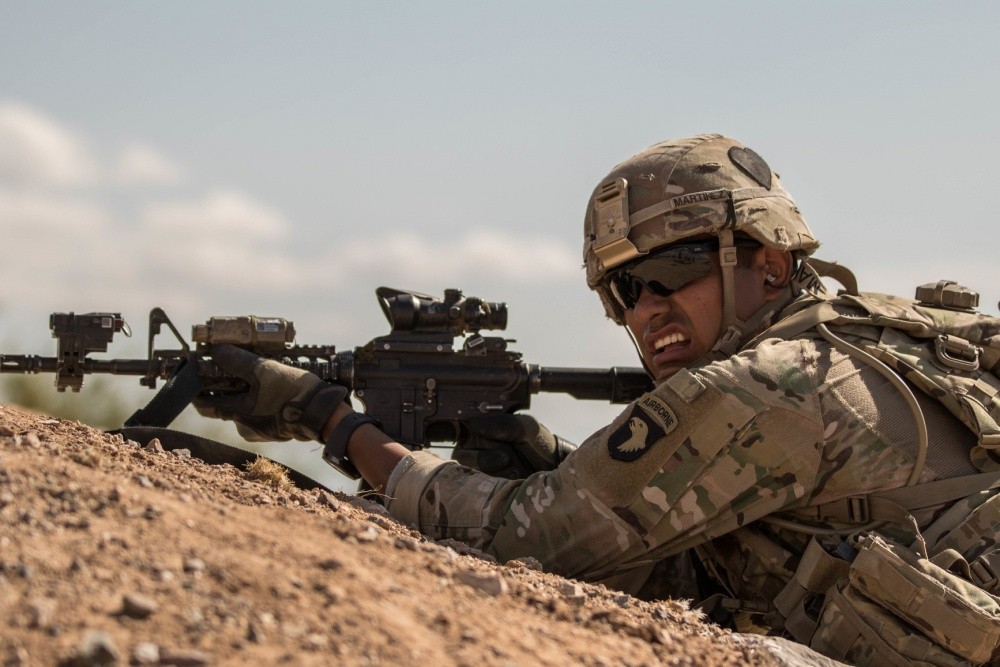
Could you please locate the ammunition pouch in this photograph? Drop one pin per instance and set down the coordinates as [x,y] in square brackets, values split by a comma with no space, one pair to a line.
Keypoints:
[896,608]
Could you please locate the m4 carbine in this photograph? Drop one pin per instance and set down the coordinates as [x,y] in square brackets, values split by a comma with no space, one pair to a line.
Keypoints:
[433,370]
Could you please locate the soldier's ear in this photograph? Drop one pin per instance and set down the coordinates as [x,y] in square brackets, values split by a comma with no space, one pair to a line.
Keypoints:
[777,270]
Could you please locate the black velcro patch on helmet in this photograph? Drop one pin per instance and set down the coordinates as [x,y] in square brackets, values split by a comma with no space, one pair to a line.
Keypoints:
[636,436]
[751,164]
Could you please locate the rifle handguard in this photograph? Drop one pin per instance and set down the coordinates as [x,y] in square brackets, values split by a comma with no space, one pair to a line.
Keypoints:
[335,450]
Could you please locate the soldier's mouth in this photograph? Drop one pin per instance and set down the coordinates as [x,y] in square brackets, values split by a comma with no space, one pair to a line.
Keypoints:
[670,340]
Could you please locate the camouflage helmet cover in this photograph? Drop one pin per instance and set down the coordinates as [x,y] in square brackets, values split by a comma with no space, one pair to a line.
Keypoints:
[682,189]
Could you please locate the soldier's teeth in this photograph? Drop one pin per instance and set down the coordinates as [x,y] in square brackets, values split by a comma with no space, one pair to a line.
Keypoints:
[669,340]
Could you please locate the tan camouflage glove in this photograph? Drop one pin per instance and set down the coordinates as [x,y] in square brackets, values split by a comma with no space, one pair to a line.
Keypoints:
[281,403]
[510,446]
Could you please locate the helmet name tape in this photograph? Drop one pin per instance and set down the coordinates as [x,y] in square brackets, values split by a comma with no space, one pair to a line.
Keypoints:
[695,197]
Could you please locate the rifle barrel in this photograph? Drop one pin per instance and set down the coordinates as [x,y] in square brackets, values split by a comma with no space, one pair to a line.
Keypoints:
[618,384]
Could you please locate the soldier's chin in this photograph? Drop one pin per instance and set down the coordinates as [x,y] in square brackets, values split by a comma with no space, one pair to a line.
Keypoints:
[663,373]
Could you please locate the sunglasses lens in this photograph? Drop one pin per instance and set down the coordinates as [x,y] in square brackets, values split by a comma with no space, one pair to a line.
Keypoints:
[662,274]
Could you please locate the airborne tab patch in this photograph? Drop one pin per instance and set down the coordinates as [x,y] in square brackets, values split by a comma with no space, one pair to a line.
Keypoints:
[650,420]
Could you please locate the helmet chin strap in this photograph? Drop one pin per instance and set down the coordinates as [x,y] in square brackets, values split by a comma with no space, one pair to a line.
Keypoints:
[731,328]
[733,331]
[638,350]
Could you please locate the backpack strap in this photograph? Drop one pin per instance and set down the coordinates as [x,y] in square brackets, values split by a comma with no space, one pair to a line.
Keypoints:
[880,506]
[893,505]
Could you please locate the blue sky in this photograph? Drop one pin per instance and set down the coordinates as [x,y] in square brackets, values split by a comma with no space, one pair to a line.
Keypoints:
[286,159]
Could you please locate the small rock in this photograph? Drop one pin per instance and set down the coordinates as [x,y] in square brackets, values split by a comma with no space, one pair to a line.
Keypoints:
[573,593]
[31,440]
[95,649]
[116,494]
[194,617]
[40,613]
[660,634]
[16,656]
[330,564]
[328,500]
[367,505]
[403,542]
[465,549]
[491,584]
[182,453]
[154,445]
[145,653]
[528,562]
[255,633]
[6,432]
[568,588]
[315,641]
[194,565]
[137,605]
[333,594]
[184,657]
[623,601]
[369,534]
[143,481]
[382,521]
[293,630]
[6,498]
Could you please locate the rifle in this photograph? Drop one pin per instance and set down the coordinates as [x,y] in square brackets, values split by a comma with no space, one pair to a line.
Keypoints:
[433,370]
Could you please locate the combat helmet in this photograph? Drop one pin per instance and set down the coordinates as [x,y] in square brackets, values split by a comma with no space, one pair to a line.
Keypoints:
[708,185]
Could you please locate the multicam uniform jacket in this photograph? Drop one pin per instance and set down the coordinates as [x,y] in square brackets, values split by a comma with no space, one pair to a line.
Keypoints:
[698,463]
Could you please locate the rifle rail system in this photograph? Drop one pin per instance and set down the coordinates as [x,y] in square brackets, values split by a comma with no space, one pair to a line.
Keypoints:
[415,380]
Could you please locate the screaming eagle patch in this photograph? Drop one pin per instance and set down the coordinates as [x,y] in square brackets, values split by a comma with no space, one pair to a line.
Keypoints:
[649,421]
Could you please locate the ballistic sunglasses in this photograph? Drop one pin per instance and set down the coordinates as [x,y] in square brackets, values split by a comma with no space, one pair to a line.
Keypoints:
[666,271]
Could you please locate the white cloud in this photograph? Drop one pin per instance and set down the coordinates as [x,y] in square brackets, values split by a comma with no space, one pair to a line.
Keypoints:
[35,150]
[486,254]
[220,214]
[30,216]
[139,164]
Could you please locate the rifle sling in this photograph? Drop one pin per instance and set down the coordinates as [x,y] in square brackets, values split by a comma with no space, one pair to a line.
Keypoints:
[171,400]
[209,451]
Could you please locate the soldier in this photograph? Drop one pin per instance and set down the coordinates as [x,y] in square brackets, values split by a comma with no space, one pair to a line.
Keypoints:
[784,420]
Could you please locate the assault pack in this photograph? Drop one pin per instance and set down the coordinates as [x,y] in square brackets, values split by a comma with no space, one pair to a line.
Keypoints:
[864,599]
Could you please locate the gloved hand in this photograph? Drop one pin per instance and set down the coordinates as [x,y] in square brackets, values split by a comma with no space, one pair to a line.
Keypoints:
[509,446]
[281,403]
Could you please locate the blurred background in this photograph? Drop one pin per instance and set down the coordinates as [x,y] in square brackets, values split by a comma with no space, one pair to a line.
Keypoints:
[287,159]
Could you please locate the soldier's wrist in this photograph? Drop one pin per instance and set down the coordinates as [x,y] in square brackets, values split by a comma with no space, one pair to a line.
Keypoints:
[342,410]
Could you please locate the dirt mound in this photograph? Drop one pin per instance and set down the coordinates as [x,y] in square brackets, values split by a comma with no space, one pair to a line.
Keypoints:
[115,553]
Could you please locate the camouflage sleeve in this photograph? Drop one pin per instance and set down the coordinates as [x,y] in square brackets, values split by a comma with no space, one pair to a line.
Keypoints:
[704,453]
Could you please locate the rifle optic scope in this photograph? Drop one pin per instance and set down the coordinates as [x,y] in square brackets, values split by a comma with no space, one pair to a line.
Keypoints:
[455,314]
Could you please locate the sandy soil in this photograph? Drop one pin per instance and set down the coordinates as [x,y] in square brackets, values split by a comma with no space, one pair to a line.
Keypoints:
[114,553]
